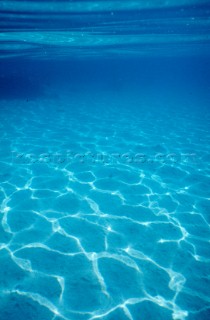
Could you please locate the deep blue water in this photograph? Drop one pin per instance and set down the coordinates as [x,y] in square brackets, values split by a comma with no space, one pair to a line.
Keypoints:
[104,160]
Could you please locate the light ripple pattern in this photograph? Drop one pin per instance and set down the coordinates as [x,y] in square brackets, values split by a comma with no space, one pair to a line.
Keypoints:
[86,237]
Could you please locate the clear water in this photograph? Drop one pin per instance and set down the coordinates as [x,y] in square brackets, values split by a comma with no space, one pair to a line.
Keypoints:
[104,160]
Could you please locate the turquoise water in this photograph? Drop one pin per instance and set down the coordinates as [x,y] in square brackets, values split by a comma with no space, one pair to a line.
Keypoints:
[104,160]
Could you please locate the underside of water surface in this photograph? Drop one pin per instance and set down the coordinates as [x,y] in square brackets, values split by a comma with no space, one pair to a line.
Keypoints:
[104,160]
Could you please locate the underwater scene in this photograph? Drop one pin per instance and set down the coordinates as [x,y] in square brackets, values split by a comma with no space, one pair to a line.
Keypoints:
[104,160]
